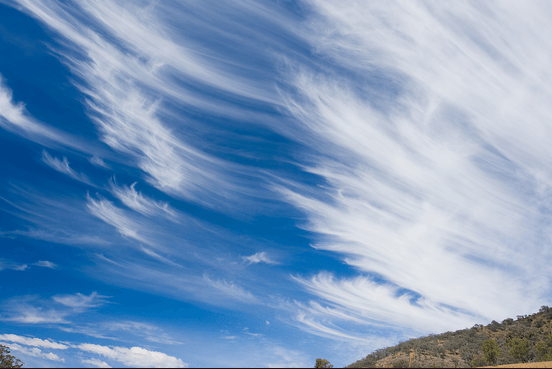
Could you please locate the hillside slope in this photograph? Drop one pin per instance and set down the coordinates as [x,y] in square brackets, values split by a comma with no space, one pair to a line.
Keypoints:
[524,340]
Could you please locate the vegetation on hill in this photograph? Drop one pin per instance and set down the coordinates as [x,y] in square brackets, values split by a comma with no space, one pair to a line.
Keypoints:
[527,339]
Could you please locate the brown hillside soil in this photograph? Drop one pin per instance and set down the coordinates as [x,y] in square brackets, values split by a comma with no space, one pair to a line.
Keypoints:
[542,364]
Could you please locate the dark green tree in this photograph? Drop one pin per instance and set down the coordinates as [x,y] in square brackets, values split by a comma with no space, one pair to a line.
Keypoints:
[520,348]
[7,360]
[323,363]
[491,350]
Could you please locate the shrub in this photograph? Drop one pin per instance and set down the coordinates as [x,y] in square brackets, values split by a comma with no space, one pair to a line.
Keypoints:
[400,364]
[520,348]
[544,349]
[478,360]
[490,350]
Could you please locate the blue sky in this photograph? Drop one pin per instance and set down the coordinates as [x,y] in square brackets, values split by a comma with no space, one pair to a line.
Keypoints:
[248,183]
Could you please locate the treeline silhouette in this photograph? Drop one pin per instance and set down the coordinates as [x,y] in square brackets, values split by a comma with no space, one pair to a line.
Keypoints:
[526,339]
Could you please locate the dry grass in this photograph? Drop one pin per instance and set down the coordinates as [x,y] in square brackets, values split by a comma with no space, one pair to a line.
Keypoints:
[542,364]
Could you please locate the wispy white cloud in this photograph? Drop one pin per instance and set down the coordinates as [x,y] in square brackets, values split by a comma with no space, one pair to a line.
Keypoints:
[31,310]
[15,118]
[131,85]
[141,70]
[231,290]
[34,310]
[62,166]
[61,237]
[86,330]
[259,257]
[140,203]
[109,329]
[79,301]
[229,337]
[362,301]
[129,227]
[109,213]
[97,161]
[135,356]
[155,255]
[148,331]
[31,315]
[45,264]
[286,358]
[433,184]
[53,218]
[322,328]
[183,283]
[145,34]
[7,264]
[124,90]
[254,334]
[96,362]
[131,326]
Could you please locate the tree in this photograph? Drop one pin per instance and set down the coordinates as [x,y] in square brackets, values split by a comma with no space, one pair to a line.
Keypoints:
[494,326]
[323,363]
[491,350]
[508,321]
[520,348]
[7,360]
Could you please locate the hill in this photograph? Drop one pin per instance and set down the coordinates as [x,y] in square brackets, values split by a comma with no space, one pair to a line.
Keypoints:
[527,339]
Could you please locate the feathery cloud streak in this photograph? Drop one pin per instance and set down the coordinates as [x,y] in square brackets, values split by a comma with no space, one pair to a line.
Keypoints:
[441,184]
[15,118]
[62,166]
[8,264]
[33,310]
[96,362]
[140,203]
[128,69]
[45,264]
[106,211]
